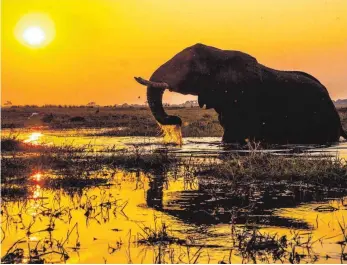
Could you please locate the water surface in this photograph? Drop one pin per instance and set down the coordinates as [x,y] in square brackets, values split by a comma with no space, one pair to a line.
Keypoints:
[199,219]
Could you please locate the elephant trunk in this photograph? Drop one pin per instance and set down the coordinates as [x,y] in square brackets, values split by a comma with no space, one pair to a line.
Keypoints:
[155,91]
[155,101]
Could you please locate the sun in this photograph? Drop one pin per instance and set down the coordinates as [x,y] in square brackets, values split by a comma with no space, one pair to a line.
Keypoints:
[34,36]
[35,30]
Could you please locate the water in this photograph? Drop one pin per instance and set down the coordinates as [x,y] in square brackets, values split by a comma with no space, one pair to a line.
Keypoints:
[190,145]
[200,218]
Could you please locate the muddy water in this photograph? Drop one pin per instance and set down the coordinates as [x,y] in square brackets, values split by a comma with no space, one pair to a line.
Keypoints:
[198,219]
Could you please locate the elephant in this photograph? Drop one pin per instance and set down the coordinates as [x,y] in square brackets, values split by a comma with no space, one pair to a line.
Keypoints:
[254,102]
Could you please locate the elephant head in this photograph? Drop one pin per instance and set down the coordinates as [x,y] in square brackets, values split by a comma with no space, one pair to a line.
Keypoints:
[199,70]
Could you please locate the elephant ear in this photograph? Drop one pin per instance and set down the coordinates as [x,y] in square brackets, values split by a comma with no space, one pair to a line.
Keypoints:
[232,75]
[238,69]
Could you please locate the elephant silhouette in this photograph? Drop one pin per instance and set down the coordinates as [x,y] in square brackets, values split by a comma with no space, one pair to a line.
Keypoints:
[253,101]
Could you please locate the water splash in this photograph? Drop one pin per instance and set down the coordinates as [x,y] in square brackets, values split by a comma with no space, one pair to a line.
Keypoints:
[172,134]
[33,138]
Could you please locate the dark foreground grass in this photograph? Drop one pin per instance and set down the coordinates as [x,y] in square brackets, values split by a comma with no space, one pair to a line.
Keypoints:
[79,168]
[87,161]
[66,167]
[72,168]
[11,143]
[102,210]
[259,166]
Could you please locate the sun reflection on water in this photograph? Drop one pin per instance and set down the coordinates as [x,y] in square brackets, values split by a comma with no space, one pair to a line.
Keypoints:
[33,238]
[33,138]
[172,202]
[101,218]
[35,203]
[37,176]
[37,192]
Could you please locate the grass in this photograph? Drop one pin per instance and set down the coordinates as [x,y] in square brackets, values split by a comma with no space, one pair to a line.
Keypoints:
[58,159]
[254,245]
[126,121]
[98,208]
[66,167]
[69,167]
[260,166]
[343,242]
[11,143]
[76,169]
[249,242]
[159,235]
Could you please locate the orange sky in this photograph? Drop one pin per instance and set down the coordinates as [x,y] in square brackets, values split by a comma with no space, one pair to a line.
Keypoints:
[99,45]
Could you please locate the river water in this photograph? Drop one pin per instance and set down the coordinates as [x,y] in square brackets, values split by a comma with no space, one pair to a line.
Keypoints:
[201,220]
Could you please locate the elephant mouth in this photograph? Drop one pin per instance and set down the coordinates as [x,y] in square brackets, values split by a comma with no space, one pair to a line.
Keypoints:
[206,100]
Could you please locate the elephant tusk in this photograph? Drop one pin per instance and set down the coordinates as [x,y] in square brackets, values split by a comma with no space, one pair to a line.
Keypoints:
[151,83]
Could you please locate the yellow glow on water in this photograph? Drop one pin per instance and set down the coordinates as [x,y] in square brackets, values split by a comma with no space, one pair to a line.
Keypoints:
[172,134]
[121,230]
[33,238]
[37,192]
[33,138]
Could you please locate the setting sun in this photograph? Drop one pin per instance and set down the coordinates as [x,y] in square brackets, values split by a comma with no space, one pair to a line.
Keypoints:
[34,36]
[35,30]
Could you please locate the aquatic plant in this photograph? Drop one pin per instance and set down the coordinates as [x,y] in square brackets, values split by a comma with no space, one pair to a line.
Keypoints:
[263,166]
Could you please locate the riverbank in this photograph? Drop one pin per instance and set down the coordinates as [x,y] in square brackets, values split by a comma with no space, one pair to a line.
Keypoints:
[129,121]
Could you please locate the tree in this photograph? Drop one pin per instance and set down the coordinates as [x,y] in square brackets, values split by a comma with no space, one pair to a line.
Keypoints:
[91,104]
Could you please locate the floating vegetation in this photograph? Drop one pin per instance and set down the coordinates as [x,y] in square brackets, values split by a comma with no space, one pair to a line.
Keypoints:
[160,234]
[40,244]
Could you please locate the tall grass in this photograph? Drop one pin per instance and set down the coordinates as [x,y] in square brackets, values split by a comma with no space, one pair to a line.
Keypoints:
[261,166]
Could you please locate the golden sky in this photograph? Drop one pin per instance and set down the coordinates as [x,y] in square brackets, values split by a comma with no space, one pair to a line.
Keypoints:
[97,46]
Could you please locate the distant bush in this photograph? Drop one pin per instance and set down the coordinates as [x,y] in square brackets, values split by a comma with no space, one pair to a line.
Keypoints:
[48,118]
[11,125]
[77,119]
[10,144]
